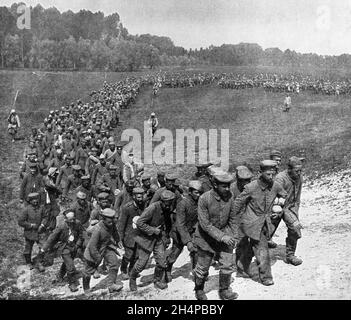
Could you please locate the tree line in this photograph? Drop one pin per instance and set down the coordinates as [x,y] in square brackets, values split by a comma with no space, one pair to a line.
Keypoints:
[93,41]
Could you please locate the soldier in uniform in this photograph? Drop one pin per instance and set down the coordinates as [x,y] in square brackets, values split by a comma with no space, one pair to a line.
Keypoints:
[30,220]
[125,196]
[256,201]
[216,233]
[154,226]
[64,172]
[291,181]
[67,240]
[103,244]
[32,182]
[73,182]
[127,232]
[184,228]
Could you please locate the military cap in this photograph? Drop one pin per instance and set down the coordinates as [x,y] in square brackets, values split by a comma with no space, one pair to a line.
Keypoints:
[195,184]
[81,195]
[76,167]
[171,176]
[102,195]
[119,144]
[268,164]
[138,190]
[94,149]
[276,153]
[213,169]
[31,152]
[86,177]
[145,176]
[108,213]
[33,195]
[295,161]
[204,165]
[177,182]
[167,195]
[102,156]
[243,172]
[52,171]
[59,151]
[113,167]
[223,176]
[110,139]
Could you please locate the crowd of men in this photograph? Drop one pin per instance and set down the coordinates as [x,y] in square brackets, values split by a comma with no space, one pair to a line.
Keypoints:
[85,198]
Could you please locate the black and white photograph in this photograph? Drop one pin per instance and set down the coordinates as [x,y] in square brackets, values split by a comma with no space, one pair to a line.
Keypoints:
[175,150]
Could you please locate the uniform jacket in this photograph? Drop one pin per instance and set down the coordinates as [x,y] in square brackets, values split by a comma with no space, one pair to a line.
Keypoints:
[82,213]
[100,240]
[31,215]
[150,219]
[126,231]
[59,238]
[65,172]
[122,199]
[257,201]
[186,219]
[32,183]
[216,218]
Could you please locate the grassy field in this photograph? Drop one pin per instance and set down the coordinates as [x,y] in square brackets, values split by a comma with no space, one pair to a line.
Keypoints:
[318,128]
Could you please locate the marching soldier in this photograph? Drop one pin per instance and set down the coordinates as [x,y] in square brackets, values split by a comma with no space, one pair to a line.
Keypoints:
[154,226]
[67,240]
[30,220]
[103,244]
[32,182]
[216,234]
[291,181]
[127,232]
[184,228]
[257,201]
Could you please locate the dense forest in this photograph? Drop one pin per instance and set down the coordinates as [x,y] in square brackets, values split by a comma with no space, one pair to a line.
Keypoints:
[92,41]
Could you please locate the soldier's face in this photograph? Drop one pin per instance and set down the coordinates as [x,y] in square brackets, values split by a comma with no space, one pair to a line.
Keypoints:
[295,172]
[166,205]
[170,185]
[146,183]
[35,202]
[138,198]
[85,183]
[82,202]
[195,194]
[223,189]
[104,203]
[278,160]
[268,175]
[113,173]
[108,221]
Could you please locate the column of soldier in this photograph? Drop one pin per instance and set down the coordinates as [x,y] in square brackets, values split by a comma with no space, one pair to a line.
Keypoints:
[85,198]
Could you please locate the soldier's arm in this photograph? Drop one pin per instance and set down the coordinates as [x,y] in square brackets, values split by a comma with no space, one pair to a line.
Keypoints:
[181,222]
[122,222]
[92,245]
[22,220]
[143,221]
[204,220]
[53,238]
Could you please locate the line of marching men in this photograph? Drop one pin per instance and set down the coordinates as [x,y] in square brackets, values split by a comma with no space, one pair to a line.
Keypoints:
[90,200]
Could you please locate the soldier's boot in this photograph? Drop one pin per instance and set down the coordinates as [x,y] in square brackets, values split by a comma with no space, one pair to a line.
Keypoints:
[72,284]
[225,291]
[28,260]
[111,281]
[160,278]
[124,265]
[290,252]
[60,275]
[199,288]
[272,244]
[132,280]
[169,277]
[86,283]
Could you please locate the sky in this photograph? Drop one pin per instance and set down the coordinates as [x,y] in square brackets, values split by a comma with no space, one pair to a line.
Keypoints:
[318,26]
